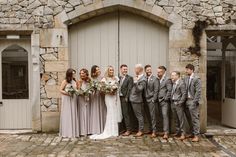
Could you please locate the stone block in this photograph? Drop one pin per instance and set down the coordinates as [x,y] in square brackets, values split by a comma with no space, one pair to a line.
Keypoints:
[157,10]
[50,121]
[61,77]
[63,54]
[60,19]
[49,57]
[52,91]
[57,37]
[56,66]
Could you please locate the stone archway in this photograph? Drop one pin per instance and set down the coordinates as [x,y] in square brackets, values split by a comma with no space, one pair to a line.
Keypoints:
[152,12]
[180,38]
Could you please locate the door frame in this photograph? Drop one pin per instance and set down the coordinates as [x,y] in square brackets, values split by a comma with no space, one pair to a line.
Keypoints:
[34,74]
[226,103]
[26,45]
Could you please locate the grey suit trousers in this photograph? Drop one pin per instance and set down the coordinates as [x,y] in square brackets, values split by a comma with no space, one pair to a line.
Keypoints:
[164,107]
[125,106]
[138,111]
[192,114]
[178,113]
[152,116]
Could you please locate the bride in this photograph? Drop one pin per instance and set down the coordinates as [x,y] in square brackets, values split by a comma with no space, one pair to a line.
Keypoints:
[112,101]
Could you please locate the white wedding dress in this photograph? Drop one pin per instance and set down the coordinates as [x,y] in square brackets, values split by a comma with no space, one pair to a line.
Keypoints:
[114,115]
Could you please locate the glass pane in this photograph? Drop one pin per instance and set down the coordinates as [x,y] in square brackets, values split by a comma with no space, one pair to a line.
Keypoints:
[230,68]
[15,73]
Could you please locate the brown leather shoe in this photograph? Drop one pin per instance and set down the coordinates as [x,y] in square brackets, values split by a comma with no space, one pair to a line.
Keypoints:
[153,135]
[182,137]
[139,134]
[148,132]
[165,136]
[195,139]
[176,135]
[190,136]
[127,133]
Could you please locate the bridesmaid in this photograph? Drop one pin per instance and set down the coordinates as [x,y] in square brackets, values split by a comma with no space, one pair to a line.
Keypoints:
[69,123]
[98,108]
[84,103]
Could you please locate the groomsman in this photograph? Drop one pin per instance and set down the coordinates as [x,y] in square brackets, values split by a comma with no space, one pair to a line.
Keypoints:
[178,97]
[136,97]
[193,86]
[164,98]
[126,84]
[152,91]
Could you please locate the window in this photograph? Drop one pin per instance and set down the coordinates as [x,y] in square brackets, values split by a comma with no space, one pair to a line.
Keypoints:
[15,73]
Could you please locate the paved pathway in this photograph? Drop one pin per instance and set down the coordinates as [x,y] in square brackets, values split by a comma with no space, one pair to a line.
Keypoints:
[51,145]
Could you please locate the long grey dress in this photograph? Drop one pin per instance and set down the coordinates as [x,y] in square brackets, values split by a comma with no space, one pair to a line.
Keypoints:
[84,112]
[69,123]
[97,112]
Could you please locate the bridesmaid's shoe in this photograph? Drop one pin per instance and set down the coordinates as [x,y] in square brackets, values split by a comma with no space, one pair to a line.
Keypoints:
[139,134]
[127,133]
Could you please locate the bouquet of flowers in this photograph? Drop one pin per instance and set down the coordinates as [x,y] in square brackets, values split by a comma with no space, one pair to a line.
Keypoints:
[108,88]
[94,85]
[71,90]
[87,91]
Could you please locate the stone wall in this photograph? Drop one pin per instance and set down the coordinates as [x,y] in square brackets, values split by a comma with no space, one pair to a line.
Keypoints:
[47,19]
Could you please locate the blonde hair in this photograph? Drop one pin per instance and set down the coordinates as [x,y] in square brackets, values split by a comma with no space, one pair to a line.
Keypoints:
[106,75]
[140,66]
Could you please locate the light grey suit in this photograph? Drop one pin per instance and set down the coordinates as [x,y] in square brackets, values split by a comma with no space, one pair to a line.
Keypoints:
[151,94]
[137,99]
[193,88]
[164,101]
[178,97]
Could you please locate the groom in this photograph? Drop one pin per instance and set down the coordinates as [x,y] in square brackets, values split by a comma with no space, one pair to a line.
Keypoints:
[126,84]
[137,97]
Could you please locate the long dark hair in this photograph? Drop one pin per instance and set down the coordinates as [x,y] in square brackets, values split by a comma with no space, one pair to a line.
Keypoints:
[69,75]
[93,71]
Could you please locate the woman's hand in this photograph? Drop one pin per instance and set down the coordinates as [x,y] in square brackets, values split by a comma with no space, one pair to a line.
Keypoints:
[62,88]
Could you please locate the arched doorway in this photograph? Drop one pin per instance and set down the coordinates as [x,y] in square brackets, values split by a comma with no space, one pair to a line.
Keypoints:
[15,107]
[118,38]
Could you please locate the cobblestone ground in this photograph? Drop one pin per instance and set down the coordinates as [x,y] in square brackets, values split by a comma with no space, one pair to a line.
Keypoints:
[51,145]
[227,142]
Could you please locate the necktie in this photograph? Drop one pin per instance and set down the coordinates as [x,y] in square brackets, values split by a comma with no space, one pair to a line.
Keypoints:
[173,90]
[189,82]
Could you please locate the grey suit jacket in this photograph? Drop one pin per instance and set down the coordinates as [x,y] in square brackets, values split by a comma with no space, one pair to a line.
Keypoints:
[152,89]
[194,88]
[165,89]
[126,86]
[179,94]
[137,91]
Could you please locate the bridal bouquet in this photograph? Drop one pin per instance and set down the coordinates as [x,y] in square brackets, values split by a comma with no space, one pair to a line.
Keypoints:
[71,90]
[108,88]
